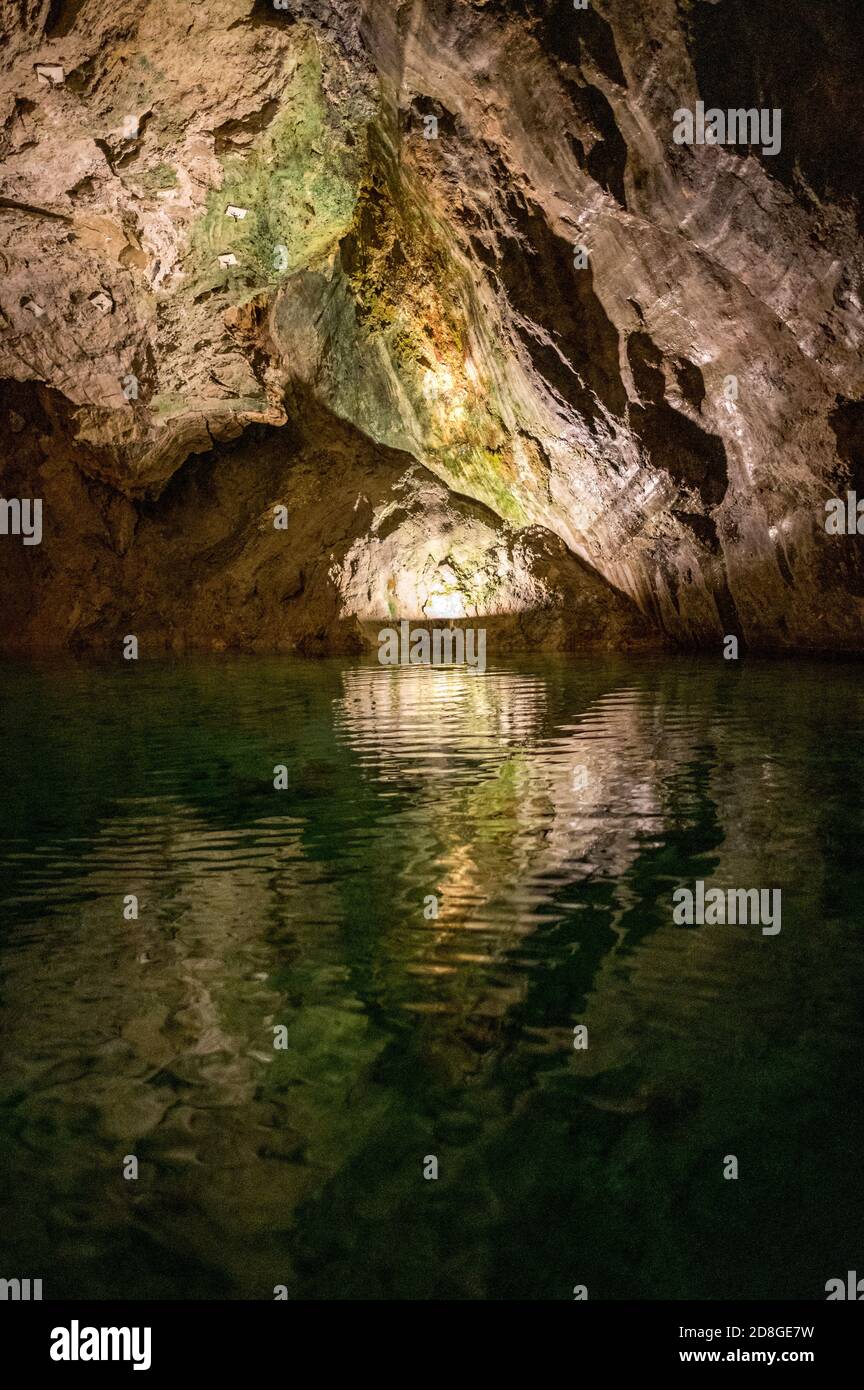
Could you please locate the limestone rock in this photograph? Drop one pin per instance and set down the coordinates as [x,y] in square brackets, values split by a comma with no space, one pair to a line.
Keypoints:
[470,236]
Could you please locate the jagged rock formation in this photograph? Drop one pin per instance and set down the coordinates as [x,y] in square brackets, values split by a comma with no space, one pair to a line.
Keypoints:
[227,235]
[308,538]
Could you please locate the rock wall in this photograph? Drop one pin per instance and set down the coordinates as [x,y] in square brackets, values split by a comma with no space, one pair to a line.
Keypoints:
[445,255]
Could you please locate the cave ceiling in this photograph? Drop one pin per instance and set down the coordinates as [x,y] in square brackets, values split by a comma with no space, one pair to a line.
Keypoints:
[436,278]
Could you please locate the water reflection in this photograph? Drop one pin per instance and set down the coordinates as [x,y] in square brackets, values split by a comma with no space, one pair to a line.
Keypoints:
[550,810]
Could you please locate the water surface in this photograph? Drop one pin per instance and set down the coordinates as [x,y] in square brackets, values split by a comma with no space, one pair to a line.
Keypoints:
[551,807]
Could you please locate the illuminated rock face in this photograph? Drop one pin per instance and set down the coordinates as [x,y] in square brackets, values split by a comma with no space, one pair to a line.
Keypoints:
[430,556]
[301,539]
[465,231]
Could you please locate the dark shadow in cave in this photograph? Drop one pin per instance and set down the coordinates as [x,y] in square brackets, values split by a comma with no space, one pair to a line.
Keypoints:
[804,57]
[571,339]
[693,458]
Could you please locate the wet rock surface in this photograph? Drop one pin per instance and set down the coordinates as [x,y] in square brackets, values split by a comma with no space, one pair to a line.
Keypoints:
[308,539]
[467,275]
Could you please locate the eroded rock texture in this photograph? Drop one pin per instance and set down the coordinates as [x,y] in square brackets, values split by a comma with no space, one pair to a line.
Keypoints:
[396,338]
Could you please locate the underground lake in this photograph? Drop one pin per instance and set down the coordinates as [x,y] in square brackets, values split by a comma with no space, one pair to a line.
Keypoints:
[421,1024]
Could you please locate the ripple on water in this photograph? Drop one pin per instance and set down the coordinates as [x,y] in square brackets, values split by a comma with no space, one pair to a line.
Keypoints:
[461,869]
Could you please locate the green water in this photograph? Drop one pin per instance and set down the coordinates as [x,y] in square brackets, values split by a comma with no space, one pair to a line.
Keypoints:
[552,807]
